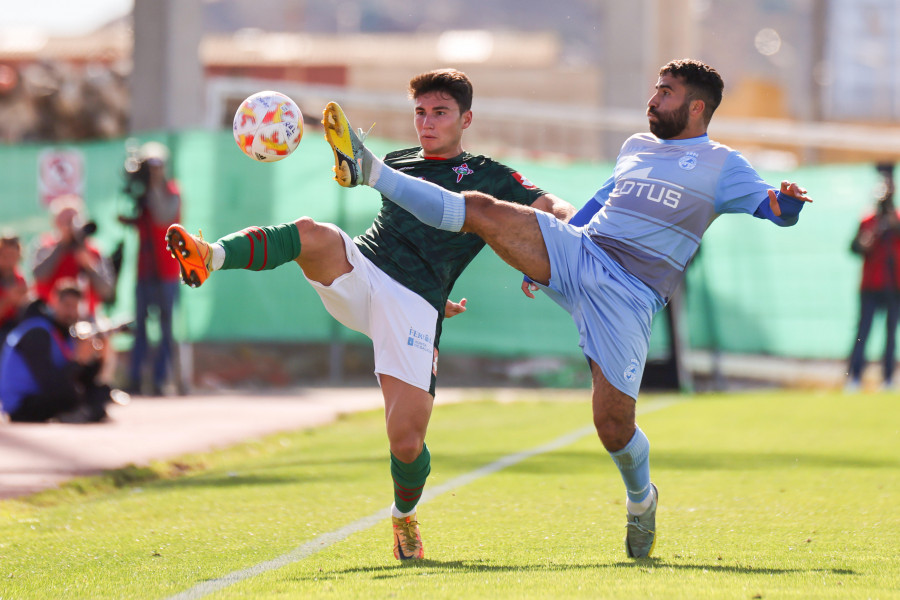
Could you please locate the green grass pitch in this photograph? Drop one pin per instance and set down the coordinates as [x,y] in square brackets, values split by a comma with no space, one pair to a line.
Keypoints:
[762,495]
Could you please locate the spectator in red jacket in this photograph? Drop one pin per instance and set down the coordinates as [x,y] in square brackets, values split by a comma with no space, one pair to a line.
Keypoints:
[878,242]
[158,205]
[69,253]
[13,288]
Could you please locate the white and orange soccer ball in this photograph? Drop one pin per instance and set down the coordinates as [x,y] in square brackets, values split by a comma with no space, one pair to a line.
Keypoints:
[268,126]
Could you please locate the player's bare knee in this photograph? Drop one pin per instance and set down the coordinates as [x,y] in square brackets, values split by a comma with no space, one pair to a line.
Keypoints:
[306,226]
[477,202]
[478,210]
[407,449]
[313,233]
[613,433]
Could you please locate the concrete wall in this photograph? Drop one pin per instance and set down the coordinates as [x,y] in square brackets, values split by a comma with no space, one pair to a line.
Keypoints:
[167,78]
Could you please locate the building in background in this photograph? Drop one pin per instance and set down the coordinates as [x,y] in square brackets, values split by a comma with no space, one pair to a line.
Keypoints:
[544,77]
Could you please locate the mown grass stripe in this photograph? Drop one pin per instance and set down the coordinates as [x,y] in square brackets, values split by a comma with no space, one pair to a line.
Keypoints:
[325,540]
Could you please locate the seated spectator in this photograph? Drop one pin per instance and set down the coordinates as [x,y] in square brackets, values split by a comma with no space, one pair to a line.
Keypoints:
[46,372]
[68,253]
[13,288]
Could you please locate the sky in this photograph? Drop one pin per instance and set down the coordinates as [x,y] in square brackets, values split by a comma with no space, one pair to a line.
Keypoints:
[60,17]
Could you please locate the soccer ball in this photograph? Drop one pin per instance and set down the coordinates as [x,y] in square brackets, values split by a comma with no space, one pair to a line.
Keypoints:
[268,126]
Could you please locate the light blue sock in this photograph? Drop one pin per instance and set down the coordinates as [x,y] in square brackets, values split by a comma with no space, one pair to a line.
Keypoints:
[430,203]
[634,464]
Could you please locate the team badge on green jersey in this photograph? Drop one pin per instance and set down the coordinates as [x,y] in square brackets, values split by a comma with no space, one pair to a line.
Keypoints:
[461,171]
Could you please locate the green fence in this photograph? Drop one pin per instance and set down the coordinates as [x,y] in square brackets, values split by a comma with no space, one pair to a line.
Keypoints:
[754,288]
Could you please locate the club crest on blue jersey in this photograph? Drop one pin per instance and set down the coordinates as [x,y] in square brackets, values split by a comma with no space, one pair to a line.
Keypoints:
[688,161]
[461,171]
[631,373]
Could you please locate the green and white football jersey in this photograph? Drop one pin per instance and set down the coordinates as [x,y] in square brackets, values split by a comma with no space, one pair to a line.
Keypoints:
[427,260]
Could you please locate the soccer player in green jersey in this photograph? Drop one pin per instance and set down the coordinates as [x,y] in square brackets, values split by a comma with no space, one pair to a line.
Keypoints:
[393,282]
[619,259]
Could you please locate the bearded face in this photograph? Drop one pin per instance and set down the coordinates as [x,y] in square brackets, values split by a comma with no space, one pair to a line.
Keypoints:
[668,124]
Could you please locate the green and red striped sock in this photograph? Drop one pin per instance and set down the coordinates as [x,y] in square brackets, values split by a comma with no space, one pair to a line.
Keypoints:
[261,248]
[409,479]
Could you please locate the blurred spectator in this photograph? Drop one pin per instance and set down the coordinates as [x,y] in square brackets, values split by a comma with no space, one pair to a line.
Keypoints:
[878,241]
[13,288]
[157,205]
[68,253]
[46,372]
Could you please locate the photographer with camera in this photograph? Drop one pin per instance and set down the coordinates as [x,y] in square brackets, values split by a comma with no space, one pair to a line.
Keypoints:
[47,372]
[68,253]
[877,240]
[157,204]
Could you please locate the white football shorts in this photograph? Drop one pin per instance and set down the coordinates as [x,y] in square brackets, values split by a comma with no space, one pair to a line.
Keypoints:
[400,323]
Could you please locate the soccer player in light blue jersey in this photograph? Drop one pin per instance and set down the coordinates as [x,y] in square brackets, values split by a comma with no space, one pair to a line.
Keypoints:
[617,262]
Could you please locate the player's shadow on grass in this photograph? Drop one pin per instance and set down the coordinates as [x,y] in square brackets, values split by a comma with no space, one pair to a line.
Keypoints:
[236,480]
[289,472]
[399,569]
[660,563]
[742,461]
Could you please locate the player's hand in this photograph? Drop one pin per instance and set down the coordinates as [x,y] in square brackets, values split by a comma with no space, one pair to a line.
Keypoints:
[788,188]
[529,287]
[451,309]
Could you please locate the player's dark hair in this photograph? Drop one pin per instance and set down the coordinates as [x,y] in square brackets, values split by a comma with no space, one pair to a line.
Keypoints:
[702,82]
[454,83]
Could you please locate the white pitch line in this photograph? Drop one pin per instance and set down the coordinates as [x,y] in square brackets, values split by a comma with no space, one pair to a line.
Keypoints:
[325,540]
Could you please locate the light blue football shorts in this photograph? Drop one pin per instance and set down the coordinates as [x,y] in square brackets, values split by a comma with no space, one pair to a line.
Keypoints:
[612,309]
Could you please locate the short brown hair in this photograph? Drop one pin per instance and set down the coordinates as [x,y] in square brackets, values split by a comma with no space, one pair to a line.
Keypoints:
[702,81]
[454,83]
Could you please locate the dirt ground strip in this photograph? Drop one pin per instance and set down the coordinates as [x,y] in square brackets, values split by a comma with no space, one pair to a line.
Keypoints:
[34,457]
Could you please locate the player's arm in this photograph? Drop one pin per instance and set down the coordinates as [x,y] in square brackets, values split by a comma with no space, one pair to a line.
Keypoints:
[554,205]
[783,207]
[593,206]
[586,213]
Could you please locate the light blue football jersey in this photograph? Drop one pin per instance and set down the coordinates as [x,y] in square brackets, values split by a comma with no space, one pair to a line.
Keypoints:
[661,198]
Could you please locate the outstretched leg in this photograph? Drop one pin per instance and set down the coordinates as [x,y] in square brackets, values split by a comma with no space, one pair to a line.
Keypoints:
[317,247]
[614,419]
[511,230]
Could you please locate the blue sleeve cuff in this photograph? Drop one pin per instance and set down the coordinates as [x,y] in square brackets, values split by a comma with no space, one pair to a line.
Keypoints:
[790,210]
[587,212]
